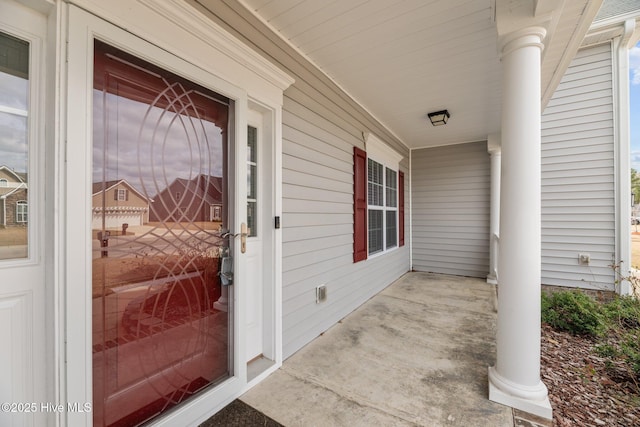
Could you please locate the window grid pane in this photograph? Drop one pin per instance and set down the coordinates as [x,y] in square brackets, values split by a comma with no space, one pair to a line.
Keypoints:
[252,180]
[375,183]
[392,230]
[252,140]
[375,231]
[251,219]
[392,188]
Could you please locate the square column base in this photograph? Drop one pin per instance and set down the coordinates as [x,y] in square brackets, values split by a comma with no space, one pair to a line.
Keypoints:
[541,408]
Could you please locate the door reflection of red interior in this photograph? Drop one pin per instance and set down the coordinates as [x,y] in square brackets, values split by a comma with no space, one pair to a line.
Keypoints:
[160,328]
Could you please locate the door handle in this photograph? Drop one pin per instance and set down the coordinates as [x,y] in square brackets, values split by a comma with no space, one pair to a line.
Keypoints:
[243,237]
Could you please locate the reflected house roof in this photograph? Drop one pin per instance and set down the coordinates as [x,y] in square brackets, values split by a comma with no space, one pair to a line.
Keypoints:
[19,176]
[98,187]
[206,187]
[187,199]
[16,181]
[6,192]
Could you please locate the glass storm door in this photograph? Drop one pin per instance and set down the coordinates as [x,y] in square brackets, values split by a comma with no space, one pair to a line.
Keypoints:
[161,332]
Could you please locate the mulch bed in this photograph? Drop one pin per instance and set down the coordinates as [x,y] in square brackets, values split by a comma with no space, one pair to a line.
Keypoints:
[582,389]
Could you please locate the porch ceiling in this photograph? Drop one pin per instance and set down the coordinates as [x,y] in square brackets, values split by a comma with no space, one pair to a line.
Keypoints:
[401,59]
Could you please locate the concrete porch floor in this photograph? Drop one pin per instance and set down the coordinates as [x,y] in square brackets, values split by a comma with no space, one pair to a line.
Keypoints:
[415,354]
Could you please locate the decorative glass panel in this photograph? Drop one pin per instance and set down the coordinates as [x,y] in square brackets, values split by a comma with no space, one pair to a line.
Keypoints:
[375,231]
[14,149]
[161,329]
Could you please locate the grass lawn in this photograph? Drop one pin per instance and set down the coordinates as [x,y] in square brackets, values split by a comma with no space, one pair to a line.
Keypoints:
[635,248]
[12,236]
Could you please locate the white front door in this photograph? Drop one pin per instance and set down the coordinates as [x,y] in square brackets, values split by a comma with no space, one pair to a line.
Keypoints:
[23,237]
[262,348]
[258,233]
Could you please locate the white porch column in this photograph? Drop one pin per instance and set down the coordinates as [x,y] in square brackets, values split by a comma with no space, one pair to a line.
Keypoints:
[493,146]
[515,380]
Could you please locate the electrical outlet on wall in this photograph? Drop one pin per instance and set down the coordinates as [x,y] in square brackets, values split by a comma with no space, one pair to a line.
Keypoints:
[584,259]
[321,294]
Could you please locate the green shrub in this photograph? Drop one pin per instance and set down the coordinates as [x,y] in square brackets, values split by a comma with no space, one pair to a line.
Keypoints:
[574,312]
[624,311]
[630,349]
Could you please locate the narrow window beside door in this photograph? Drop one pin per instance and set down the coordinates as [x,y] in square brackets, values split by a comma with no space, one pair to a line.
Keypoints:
[252,181]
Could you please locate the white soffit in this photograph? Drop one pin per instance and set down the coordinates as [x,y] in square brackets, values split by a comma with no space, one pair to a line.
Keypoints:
[402,59]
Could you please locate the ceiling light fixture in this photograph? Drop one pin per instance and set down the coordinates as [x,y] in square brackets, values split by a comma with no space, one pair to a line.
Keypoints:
[439,118]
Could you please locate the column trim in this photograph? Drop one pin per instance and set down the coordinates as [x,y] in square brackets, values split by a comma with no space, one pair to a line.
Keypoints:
[533,400]
[531,36]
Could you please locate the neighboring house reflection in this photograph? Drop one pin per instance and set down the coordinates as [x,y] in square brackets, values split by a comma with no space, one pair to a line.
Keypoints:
[197,199]
[117,202]
[14,205]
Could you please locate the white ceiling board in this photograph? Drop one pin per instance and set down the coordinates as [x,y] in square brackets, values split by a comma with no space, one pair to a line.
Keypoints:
[402,59]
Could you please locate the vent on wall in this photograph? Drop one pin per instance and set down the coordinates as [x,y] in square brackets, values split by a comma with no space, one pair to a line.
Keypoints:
[321,294]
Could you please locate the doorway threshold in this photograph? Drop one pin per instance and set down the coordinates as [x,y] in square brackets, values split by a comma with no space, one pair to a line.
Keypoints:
[257,366]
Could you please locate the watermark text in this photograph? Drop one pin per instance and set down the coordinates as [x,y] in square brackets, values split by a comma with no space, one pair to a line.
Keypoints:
[32,407]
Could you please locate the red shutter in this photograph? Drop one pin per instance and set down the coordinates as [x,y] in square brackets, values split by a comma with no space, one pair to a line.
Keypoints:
[401,207]
[359,205]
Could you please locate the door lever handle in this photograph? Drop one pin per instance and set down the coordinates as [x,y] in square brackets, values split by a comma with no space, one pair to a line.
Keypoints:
[243,237]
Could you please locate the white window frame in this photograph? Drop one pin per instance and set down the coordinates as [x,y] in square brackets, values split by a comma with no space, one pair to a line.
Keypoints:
[121,194]
[22,211]
[4,183]
[384,155]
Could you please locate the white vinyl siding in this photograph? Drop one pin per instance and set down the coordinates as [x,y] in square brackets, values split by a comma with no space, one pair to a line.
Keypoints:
[320,127]
[451,192]
[578,181]
[318,229]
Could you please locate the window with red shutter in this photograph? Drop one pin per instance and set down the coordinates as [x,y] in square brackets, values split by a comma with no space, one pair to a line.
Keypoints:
[378,200]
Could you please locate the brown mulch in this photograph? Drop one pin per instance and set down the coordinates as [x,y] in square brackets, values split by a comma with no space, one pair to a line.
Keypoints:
[582,390]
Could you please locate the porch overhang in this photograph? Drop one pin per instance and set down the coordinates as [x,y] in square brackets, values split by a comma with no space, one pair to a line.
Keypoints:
[402,61]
